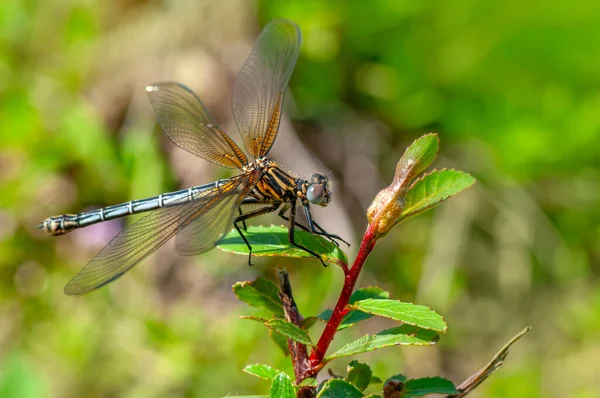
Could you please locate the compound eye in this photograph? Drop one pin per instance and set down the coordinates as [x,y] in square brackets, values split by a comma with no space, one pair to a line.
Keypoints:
[318,178]
[315,194]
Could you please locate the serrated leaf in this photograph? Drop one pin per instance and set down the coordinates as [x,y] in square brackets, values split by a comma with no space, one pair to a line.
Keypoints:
[354,316]
[428,385]
[401,335]
[412,314]
[260,293]
[255,318]
[282,387]
[432,189]
[336,388]
[273,241]
[280,326]
[359,374]
[286,329]
[262,371]
[370,292]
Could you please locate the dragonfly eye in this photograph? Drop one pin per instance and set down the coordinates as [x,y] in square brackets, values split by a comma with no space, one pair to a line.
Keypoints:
[318,179]
[315,193]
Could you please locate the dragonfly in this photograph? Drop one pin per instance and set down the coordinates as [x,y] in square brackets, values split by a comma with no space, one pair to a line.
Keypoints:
[201,215]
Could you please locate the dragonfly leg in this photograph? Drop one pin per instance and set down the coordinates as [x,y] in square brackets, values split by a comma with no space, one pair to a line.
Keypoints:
[318,230]
[241,219]
[314,226]
[291,235]
[281,214]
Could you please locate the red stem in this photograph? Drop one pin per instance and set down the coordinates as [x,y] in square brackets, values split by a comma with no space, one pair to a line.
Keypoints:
[318,353]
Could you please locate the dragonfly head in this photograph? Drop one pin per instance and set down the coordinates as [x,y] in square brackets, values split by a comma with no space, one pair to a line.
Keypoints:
[318,192]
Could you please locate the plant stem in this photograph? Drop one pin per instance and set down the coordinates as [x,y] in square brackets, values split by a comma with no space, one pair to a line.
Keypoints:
[350,278]
[298,352]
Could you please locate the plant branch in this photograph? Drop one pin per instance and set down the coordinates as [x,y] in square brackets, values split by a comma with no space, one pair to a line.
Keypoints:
[298,351]
[384,213]
[497,361]
[350,278]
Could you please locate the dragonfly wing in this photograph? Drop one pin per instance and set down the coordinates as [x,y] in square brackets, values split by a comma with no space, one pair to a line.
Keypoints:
[208,227]
[150,232]
[188,124]
[259,87]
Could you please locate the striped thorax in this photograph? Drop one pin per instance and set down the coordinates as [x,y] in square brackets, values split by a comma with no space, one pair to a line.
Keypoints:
[277,185]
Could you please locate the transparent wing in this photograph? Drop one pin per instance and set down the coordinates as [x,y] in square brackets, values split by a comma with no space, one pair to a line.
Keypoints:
[259,87]
[149,233]
[188,124]
[199,235]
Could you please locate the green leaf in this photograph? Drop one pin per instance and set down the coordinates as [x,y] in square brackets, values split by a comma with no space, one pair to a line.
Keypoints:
[260,293]
[309,322]
[284,328]
[336,388]
[273,241]
[432,189]
[401,335]
[421,153]
[311,381]
[354,316]
[412,314]
[325,315]
[388,205]
[255,318]
[262,371]
[375,380]
[282,387]
[428,385]
[280,341]
[369,292]
[359,374]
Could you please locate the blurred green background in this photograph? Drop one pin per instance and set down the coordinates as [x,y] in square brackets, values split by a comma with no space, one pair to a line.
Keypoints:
[512,88]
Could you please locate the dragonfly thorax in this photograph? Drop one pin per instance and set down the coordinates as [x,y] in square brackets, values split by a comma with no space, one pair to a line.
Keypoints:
[277,184]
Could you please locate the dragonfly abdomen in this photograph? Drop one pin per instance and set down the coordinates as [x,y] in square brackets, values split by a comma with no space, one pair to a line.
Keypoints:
[60,225]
